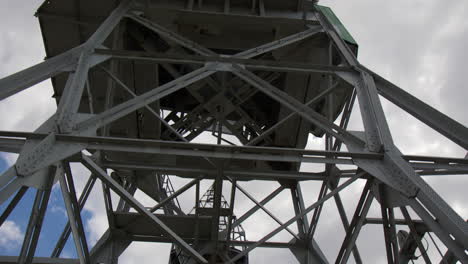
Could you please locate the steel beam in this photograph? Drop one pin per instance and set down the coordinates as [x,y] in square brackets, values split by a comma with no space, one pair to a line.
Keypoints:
[402,172]
[33,230]
[267,212]
[294,219]
[19,81]
[294,105]
[424,201]
[254,209]
[251,64]
[11,145]
[109,247]
[108,205]
[425,113]
[416,237]
[345,221]
[452,241]
[276,44]
[67,229]
[106,28]
[140,101]
[156,146]
[12,205]
[70,101]
[216,212]
[166,33]
[317,211]
[448,258]
[332,33]
[9,184]
[391,243]
[66,61]
[285,245]
[299,206]
[229,227]
[345,119]
[102,175]
[149,108]
[170,198]
[116,40]
[356,224]
[368,103]
[270,130]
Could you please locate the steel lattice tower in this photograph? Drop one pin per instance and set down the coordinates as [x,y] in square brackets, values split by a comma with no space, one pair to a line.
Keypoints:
[137,81]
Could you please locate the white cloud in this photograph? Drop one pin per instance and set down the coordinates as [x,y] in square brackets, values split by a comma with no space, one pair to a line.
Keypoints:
[58,209]
[10,158]
[11,235]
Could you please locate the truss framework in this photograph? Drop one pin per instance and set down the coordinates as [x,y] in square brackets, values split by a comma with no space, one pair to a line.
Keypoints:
[393,179]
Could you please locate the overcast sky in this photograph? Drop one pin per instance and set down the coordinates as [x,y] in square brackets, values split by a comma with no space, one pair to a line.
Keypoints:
[419,45]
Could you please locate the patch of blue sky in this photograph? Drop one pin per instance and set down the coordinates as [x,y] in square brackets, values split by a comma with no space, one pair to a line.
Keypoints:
[54,222]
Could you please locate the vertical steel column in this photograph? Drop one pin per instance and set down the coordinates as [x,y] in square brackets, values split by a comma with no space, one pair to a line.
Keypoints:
[73,212]
[67,229]
[217,189]
[302,225]
[391,243]
[356,224]
[36,218]
[231,213]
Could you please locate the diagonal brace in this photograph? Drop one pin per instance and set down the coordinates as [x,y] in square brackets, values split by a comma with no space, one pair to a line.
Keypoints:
[102,175]
[294,219]
[131,105]
[311,31]
[293,104]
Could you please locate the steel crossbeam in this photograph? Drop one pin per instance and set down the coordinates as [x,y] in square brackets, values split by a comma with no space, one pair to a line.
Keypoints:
[429,163]
[251,64]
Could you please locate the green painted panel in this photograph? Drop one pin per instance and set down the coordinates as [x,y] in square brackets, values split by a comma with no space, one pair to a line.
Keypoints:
[344,33]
